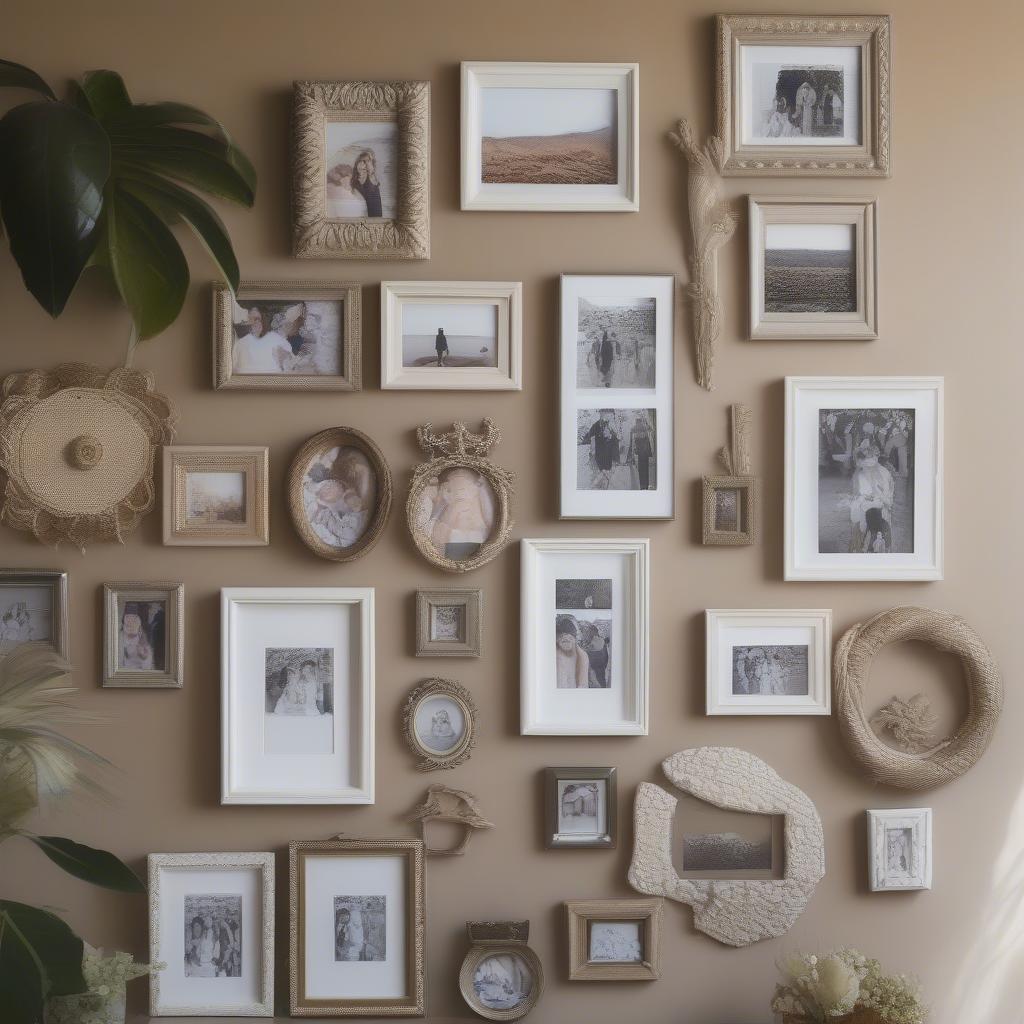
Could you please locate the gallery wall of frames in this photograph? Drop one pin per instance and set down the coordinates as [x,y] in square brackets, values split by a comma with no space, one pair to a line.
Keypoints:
[581,532]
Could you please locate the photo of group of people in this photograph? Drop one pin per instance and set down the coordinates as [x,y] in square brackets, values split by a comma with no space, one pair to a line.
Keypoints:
[213,936]
[615,343]
[142,636]
[770,670]
[339,495]
[617,450]
[299,681]
[286,337]
[807,101]
[26,614]
[360,928]
[583,634]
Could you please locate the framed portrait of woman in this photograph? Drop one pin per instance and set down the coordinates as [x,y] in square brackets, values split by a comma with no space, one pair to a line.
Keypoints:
[143,634]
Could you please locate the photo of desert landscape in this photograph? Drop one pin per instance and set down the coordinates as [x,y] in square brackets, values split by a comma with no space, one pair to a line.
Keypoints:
[548,136]
[810,268]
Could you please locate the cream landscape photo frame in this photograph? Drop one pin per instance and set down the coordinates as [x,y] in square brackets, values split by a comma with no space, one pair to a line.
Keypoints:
[211,923]
[34,609]
[451,335]
[449,623]
[813,268]
[550,137]
[297,695]
[143,634]
[804,95]
[900,849]
[614,940]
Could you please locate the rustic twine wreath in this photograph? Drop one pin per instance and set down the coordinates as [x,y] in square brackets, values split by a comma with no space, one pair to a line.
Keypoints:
[955,755]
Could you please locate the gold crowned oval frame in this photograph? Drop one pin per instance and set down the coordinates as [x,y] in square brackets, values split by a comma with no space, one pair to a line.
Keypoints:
[296,472]
[852,667]
[429,760]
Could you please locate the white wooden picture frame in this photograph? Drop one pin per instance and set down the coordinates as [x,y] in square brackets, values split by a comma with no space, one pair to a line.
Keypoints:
[598,591]
[297,679]
[769,661]
[407,303]
[863,483]
[900,849]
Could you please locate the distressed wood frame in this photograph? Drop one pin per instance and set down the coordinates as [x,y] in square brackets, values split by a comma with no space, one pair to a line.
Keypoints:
[581,915]
[472,604]
[919,821]
[174,672]
[57,581]
[428,760]
[552,776]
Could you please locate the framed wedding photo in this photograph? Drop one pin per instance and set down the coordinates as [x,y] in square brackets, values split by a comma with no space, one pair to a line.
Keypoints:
[34,609]
[804,95]
[863,478]
[900,849]
[216,494]
[143,634]
[616,397]
[449,623]
[361,170]
[357,926]
[539,136]
[585,637]
[285,336]
[580,809]
[451,335]
[813,268]
[614,940]
[211,923]
[768,661]
[297,693]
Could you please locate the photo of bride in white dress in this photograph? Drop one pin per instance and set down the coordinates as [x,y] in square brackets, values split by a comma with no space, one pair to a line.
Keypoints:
[299,700]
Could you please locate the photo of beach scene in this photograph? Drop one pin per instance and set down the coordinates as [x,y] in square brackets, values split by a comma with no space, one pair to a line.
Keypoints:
[440,334]
[810,268]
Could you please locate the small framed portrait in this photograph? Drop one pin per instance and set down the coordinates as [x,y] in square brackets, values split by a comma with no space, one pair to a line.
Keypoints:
[550,136]
[585,637]
[339,493]
[614,940]
[580,809]
[769,661]
[449,623]
[361,170]
[730,510]
[813,268]
[804,95]
[283,336]
[211,923]
[616,397]
[216,494]
[451,335]
[863,478]
[900,849]
[34,609]
[501,977]
[439,720]
[143,634]
[297,693]
[357,925]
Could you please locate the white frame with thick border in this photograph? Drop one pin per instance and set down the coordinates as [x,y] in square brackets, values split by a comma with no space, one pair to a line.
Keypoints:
[919,821]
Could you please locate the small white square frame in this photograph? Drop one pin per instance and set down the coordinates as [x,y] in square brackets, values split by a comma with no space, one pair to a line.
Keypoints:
[919,874]
[622,708]
[725,627]
[343,614]
[805,396]
[170,875]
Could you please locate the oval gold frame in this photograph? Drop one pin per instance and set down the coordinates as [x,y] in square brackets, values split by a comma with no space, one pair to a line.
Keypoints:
[482,951]
[330,438]
[429,760]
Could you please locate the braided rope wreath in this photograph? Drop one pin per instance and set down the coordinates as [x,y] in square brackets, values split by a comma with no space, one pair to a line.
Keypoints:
[953,756]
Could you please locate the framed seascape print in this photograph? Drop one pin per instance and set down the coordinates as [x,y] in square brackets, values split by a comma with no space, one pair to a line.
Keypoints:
[804,95]
[900,849]
[361,170]
[451,335]
[449,623]
[216,494]
[585,637]
[143,634]
[813,268]
[616,397]
[357,924]
[580,809]
[34,609]
[283,336]
[550,136]
[297,691]
[211,923]
[863,478]
[768,661]
[614,940]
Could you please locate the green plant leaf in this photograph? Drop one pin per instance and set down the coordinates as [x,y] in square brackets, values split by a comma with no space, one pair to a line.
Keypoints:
[88,864]
[20,77]
[56,161]
[40,957]
[106,94]
[148,265]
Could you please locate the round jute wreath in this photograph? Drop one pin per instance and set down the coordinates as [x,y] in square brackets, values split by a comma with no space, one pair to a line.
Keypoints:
[955,755]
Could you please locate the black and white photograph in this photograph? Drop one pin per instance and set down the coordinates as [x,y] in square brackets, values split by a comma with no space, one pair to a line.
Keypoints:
[26,616]
[899,852]
[810,268]
[728,509]
[448,622]
[449,334]
[361,165]
[213,935]
[800,102]
[616,342]
[866,463]
[726,851]
[360,929]
[582,807]
[616,942]
[583,634]
[457,512]
[213,498]
[142,636]
[281,336]
[440,724]
[770,670]
[900,849]
[502,981]
[339,493]
[616,450]
[299,700]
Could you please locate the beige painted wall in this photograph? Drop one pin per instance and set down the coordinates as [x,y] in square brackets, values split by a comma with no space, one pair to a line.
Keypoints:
[951,271]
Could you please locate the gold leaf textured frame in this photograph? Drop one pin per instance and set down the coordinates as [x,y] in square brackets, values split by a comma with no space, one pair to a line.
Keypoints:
[581,915]
[471,602]
[429,760]
[173,594]
[314,234]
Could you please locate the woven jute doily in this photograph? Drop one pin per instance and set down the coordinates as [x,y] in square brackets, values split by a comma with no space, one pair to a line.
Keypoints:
[77,445]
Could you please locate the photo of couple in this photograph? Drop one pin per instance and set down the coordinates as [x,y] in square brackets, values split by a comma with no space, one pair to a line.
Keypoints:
[583,633]
[284,337]
[360,162]
[299,681]
[616,450]
[213,936]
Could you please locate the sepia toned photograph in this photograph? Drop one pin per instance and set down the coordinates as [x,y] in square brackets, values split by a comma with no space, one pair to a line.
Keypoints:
[361,164]
[616,342]
[582,807]
[798,102]
[360,929]
[214,498]
[287,337]
[616,942]
[142,636]
[449,334]
[26,615]
[457,511]
[298,700]
[339,494]
[440,724]
[213,936]
[866,463]
[448,622]
[616,450]
[726,851]
[810,268]
[502,981]
[770,670]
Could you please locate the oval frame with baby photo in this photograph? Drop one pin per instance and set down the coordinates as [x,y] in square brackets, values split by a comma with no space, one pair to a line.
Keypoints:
[439,721]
